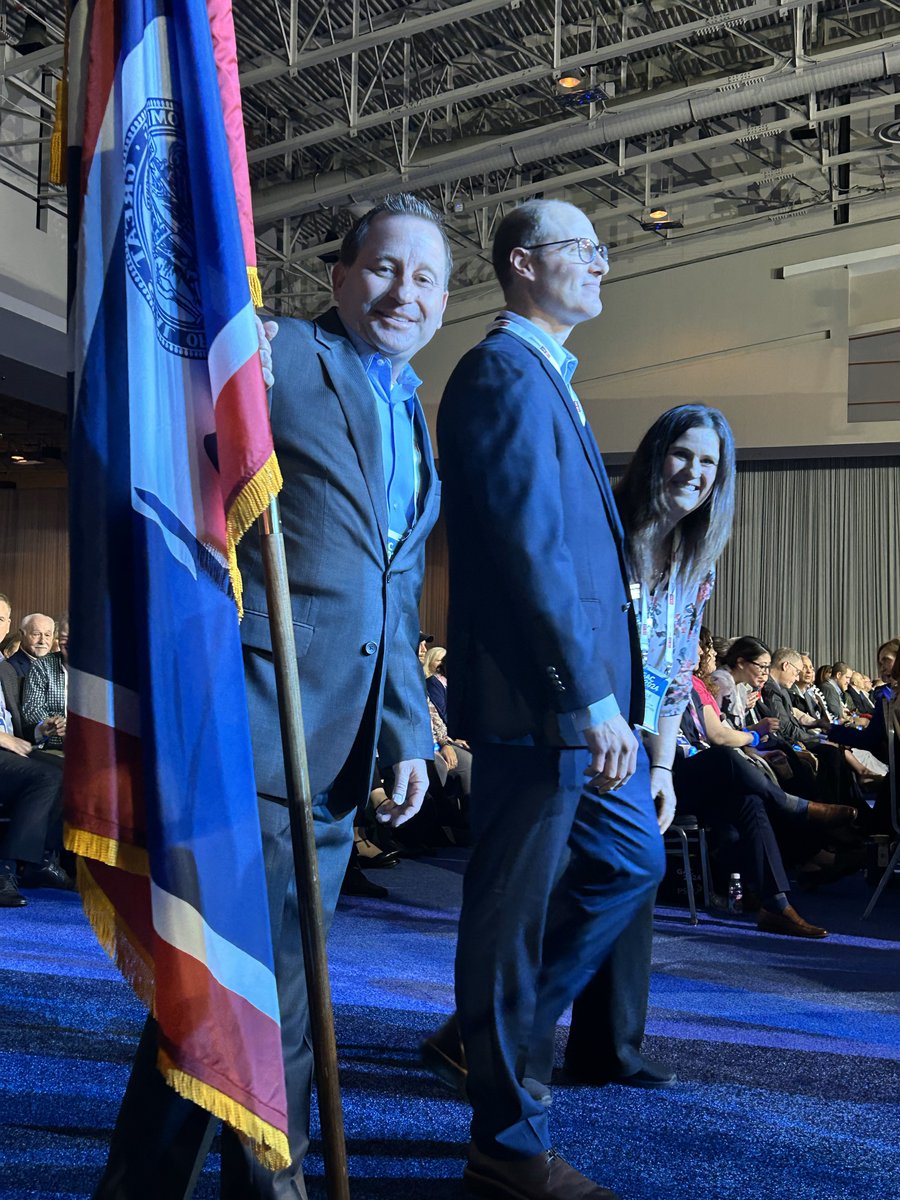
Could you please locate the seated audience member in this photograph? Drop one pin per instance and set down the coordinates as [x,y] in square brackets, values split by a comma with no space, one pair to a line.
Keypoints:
[61,634]
[425,640]
[36,634]
[886,657]
[31,799]
[367,851]
[436,679]
[860,700]
[809,703]
[452,759]
[724,790]
[834,689]
[873,737]
[44,698]
[745,668]
[10,644]
[785,671]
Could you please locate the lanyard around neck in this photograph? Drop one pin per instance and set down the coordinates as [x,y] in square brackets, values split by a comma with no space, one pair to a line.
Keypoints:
[535,342]
[641,594]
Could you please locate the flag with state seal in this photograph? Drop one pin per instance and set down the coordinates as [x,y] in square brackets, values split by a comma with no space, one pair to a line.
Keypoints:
[171,462]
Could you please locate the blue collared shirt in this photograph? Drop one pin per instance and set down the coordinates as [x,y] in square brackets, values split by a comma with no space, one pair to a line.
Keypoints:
[400,453]
[565,362]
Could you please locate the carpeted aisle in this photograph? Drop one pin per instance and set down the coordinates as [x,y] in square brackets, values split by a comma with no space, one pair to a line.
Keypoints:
[787,1051]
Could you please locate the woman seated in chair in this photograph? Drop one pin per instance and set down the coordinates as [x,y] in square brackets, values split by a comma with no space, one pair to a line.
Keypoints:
[718,783]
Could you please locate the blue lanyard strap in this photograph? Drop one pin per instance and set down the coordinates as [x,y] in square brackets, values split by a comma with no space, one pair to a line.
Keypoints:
[526,336]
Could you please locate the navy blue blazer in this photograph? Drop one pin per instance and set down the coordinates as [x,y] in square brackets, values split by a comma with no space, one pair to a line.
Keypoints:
[355,610]
[540,621]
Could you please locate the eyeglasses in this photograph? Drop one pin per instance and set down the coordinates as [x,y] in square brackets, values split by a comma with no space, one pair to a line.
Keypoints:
[765,667]
[588,251]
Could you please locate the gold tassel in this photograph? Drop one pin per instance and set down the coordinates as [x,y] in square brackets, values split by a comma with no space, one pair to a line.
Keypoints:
[114,936]
[106,850]
[270,1145]
[252,500]
[255,287]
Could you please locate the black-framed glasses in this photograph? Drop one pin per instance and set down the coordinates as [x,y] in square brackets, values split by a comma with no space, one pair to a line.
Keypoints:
[761,666]
[588,251]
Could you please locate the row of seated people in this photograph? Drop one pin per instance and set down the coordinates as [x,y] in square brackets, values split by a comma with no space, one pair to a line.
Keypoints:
[443,819]
[762,764]
[33,681]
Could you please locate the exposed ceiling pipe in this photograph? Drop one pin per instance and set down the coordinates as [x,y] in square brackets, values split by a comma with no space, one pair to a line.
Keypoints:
[570,136]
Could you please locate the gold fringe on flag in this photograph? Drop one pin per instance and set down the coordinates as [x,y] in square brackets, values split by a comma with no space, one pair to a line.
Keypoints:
[250,502]
[255,287]
[59,137]
[114,936]
[106,850]
[270,1145]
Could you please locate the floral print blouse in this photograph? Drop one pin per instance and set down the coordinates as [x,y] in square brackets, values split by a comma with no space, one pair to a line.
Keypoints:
[688,616]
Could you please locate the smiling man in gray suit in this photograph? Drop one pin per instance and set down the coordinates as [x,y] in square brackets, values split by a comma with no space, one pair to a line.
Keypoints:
[359,499]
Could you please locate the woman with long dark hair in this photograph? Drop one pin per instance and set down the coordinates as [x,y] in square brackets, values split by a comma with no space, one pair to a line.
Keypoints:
[676,502]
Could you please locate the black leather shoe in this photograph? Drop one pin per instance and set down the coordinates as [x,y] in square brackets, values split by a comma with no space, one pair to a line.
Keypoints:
[356,884]
[650,1075]
[544,1176]
[442,1054]
[10,896]
[366,854]
[47,875]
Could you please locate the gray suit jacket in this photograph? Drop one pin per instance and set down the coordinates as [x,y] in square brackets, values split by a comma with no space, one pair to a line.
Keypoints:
[355,610]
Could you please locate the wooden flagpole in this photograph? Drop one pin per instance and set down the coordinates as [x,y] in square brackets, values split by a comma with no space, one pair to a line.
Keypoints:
[306,867]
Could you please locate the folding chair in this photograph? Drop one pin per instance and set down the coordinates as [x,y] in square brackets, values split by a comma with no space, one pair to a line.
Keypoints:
[684,832]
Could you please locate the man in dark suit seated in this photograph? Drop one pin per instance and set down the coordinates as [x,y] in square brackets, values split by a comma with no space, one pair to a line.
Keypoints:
[30,799]
[36,633]
[360,497]
[834,690]
[546,690]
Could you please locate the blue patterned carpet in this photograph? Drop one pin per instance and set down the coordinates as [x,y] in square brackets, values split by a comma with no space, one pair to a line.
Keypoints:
[787,1051]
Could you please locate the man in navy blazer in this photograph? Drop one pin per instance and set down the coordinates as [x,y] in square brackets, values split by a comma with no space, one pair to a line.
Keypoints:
[359,499]
[547,689]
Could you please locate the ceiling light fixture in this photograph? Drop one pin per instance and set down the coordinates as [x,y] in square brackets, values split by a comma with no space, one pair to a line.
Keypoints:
[570,79]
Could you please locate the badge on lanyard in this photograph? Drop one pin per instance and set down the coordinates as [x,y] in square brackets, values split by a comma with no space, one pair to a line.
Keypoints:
[656,683]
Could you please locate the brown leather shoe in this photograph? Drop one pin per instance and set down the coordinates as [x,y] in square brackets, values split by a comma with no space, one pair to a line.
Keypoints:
[542,1177]
[833,815]
[789,922]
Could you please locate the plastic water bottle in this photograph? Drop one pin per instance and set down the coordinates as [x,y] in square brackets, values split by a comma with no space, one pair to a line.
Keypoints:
[735,894]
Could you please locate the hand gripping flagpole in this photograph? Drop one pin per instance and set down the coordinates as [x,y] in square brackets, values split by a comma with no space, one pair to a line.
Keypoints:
[306,866]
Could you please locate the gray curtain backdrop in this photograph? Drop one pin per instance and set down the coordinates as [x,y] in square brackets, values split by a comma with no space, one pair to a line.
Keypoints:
[814,559]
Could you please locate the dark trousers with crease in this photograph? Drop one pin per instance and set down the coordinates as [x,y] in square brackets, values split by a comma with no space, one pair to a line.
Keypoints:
[159,1135]
[521,959]
[609,1016]
[719,786]
[31,797]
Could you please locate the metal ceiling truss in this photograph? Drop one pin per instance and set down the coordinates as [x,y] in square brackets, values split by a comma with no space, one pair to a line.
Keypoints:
[733,114]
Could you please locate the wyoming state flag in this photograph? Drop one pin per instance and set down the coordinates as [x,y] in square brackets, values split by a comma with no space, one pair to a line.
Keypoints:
[171,460]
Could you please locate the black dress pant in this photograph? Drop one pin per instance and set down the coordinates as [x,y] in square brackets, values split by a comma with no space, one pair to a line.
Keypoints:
[31,797]
[719,787]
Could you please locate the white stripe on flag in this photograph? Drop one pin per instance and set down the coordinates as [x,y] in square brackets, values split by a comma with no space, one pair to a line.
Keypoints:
[106,703]
[183,927]
[235,343]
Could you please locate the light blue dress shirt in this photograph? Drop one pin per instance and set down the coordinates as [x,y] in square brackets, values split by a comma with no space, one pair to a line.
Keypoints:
[400,453]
